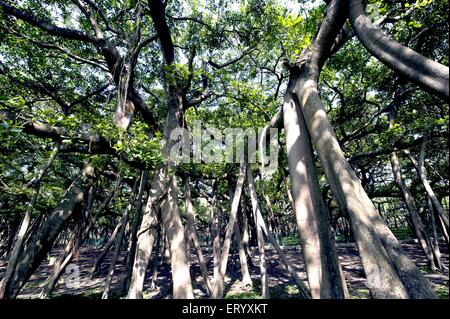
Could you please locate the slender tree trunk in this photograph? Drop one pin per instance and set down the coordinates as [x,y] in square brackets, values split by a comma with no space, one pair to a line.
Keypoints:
[96,268]
[192,235]
[14,257]
[435,244]
[215,235]
[298,282]
[12,234]
[418,226]
[273,221]
[44,238]
[133,234]
[223,260]
[423,178]
[119,239]
[64,259]
[443,228]
[265,293]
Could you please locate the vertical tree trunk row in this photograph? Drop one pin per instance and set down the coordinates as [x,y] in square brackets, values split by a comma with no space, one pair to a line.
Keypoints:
[223,260]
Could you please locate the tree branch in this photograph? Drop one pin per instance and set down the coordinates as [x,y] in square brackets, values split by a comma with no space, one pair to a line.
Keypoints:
[52,29]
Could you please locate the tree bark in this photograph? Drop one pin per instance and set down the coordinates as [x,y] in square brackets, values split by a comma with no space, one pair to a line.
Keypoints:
[426,184]
[17,249]
[246,279]
[43,241]
[192,235]
[428,74]
[181,277]
[265,293]
[389,271]
[435,244]
[119,239]
[96,268]
[223,260]
[418,226]
[133,233]
[144,247]
[321,262]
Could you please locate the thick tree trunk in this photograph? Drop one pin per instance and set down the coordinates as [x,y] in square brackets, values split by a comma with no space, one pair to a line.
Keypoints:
[43,240]
[265,293]
[223,260]
[389,271]
[163,183]
[321,262]
[246,279]
[386,265]
[145,240]
[170,216]
[430,75]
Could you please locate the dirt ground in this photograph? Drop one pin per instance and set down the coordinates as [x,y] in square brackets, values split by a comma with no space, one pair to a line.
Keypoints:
[281,285]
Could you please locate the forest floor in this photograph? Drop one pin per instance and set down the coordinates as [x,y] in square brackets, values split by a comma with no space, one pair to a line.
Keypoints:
[281,285]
